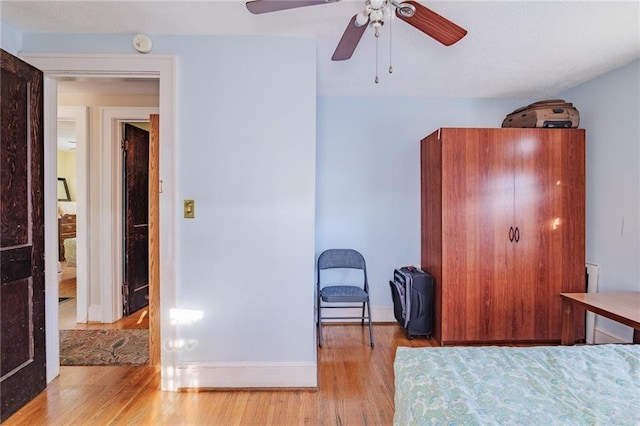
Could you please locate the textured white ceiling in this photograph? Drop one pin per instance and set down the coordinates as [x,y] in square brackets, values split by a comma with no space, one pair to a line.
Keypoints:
[513,49]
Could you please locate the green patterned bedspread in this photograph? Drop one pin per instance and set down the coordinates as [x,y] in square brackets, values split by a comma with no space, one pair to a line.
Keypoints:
[545,385]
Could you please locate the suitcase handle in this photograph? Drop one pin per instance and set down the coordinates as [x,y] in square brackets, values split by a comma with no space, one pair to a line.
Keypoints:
[565,124]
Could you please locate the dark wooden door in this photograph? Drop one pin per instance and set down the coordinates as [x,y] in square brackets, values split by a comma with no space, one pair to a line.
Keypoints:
[135,287]
[22,335]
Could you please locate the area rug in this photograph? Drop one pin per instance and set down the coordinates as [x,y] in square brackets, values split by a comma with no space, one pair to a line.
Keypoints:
[104,347]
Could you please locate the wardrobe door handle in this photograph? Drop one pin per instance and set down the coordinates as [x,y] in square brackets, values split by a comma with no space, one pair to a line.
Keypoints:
[511,234]
[517,234]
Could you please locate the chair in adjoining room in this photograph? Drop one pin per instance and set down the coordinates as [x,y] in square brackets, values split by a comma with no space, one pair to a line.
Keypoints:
[341,293]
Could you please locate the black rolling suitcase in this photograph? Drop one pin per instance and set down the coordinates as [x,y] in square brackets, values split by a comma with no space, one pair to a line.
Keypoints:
[412,291]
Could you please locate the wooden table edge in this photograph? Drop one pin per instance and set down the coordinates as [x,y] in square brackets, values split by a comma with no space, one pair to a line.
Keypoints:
[567,316]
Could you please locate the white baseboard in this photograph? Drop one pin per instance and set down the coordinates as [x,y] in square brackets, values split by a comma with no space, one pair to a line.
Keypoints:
[94,313]
[379,314]
[382,314]
[254,375]
[602,337]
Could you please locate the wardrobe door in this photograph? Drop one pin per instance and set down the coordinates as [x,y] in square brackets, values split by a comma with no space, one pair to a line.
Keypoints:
[549,220]
[533,175]
[477,200]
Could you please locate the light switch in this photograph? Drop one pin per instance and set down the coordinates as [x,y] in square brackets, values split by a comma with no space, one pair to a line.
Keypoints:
[189,209]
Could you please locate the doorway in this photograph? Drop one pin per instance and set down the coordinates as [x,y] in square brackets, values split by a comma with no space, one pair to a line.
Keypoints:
[88,340]
[101,306]
[112,120]
[163,68]
[92,190]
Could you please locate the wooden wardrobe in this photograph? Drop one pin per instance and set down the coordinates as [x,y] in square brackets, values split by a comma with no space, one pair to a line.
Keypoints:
[503,223]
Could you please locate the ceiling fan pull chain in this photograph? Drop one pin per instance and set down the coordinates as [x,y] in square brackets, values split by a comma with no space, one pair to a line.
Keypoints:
[377,80]
[390,43]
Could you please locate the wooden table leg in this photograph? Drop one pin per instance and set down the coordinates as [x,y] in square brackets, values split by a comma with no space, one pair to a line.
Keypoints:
[567,323]
[636,335]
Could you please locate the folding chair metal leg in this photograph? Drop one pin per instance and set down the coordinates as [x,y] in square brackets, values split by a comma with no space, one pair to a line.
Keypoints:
[319,324]
[370,326]
[362,321]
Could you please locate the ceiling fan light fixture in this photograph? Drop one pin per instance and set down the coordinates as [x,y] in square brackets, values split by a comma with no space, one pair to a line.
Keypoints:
[362,18]
[376,17]
[376,27]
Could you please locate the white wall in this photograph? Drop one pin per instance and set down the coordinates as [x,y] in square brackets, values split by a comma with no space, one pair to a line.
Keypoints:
[610,112]
[369,183]
[10,38]
[245,152]
[368,193]
[67,170]
[247,157]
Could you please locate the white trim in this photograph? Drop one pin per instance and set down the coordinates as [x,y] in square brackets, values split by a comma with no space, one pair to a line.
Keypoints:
[52,339]
[379,314]
[592,287]
[80,115]
[94,313]
[382,314]
[602,337]
[148,66]
[111,207]
[249,375]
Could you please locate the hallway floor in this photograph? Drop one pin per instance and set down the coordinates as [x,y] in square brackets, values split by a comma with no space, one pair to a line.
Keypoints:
[68,308]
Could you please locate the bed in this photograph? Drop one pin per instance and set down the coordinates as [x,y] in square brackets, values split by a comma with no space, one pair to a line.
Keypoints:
[573,385]
[70,251]
[67,232]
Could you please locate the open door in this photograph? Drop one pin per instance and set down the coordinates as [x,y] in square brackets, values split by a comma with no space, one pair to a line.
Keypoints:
[135,287]
[22,319]
[154,241]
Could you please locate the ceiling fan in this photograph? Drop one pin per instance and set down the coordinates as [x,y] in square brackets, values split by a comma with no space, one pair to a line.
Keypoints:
[375,13]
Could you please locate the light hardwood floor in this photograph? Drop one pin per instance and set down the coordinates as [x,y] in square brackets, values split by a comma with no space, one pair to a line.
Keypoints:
[68,309]
[355,387]
[67,319]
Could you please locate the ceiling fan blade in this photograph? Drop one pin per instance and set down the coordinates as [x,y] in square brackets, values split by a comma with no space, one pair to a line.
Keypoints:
[265,6]
[433,25]
[349,41]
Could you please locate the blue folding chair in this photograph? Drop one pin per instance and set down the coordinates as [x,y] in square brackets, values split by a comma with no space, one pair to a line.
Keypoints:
[343,294]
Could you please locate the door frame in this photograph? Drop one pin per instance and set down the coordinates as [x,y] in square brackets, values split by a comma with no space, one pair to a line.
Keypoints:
[162,67]
[111,119]
[80,115]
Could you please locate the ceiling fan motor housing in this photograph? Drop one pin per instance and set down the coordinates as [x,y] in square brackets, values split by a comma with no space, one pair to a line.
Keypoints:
[374,13]
[377,11]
